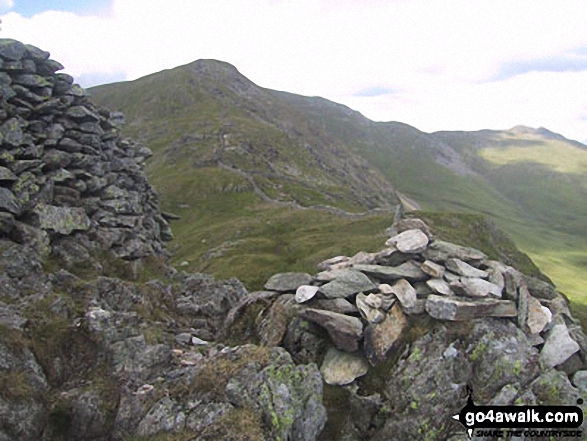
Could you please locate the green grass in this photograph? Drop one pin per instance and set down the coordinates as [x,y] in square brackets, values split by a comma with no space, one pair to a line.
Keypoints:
[313,151]
[558,156]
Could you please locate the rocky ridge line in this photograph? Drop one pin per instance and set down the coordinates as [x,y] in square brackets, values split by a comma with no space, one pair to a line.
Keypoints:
[492,327]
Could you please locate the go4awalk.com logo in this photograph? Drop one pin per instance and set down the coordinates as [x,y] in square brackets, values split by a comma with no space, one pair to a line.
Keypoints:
[527,421]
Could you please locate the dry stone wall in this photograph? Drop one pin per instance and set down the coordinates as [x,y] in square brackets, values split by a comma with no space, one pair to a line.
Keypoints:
[64,169]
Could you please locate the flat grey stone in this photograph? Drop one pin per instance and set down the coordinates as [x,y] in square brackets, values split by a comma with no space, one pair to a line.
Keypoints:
[440,251]
[384,337]
[287,282]
[559,346]
[346,284]
[305,293]
[538,316]
[326,264]
[405,293]
[433,269]
[369,312]
[345,331]
[63,220]
[449,308]
[410,241]
[8,201]
[342,306]
[408,270]
[475,287]
[439,286]
[340,368]
[461,268]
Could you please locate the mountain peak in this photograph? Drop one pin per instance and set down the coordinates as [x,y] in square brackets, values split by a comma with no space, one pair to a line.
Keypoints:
[540,132]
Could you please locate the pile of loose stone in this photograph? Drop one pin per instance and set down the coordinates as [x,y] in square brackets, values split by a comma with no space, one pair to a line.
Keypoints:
[366,302]
[64,170]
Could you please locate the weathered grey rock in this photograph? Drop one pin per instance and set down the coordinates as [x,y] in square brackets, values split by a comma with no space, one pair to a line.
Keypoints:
[559,346]
[31,80]
[347,283]
[451,277]
[405,293]
[496,277]
[413,224]
[362,258]
[433,269]
[82,113]
[440,251]
[367,310]
[340,305]
[439,286]
[273,326]
[6,222]
[407,270]
[11,49]
[513,281]
[340,368]
[418,309]
[448,308]
[286,396]
[535,340]
[12,131]
[523,296]
[305,293]
[326,264]
[541,289]
[7,175]
[391,257]
[329,275]
[8,202]
[580,380]
[287,282]
[345,331]
[410,241]
[474,287]
[63,220]
[381,338]
[461,268]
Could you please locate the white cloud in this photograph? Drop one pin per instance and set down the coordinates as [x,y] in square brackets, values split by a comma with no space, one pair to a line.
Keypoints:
[436,55]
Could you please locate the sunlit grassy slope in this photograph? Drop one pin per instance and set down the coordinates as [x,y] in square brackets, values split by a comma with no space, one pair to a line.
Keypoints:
[220,142]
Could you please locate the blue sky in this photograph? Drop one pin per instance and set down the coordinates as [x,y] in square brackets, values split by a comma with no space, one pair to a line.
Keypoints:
[29,8]
[433,64]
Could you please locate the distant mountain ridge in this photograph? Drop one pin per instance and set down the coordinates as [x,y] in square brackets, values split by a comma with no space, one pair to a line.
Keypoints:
[308,151]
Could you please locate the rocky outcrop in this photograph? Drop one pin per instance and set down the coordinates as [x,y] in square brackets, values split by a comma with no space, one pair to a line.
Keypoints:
[426,324]
[100,339]
[64,170]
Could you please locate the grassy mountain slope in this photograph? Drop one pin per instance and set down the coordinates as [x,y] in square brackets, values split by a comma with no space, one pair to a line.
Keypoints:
[238,163]
[545,176]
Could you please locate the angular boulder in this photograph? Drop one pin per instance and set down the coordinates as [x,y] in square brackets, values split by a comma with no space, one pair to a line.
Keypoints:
[340,368]
[440,251]
[559,346]
[287,282]
[452,309]
[408,270]
[475,287]
[410,241]
[461,268]
[381,338]
[63,220]
[345,331]
[346,284]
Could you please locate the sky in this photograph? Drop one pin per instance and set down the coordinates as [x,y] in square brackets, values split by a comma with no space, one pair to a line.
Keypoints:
[433,64]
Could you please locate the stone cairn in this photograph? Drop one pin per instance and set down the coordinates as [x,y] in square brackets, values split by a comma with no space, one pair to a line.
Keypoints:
[64,170]
[365,302]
